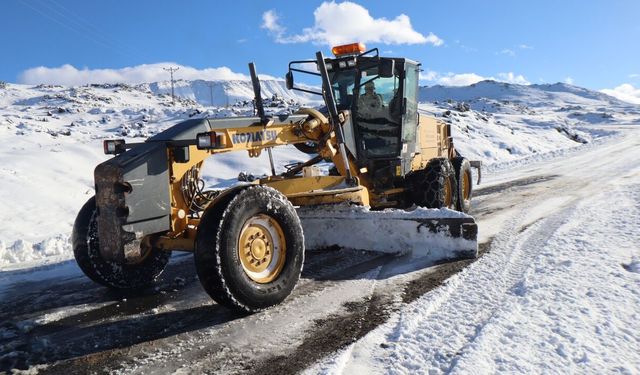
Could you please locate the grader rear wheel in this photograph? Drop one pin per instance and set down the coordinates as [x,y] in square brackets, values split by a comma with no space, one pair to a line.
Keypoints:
[434,186]
[250,249]
[133,275]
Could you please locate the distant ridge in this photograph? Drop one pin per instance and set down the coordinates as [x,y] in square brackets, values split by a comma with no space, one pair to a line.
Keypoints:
[221,93]
[531,95]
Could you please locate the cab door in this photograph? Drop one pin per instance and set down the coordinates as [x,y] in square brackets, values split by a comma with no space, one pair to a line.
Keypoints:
[410,114]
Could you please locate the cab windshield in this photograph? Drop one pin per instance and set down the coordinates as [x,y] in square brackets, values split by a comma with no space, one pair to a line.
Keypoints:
[376,104]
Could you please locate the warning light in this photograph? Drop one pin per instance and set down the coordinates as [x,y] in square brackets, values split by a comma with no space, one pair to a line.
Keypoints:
[348,49]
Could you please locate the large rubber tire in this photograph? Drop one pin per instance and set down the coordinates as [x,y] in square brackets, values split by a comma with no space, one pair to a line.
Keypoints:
[219,265]
[464,187]
[113,275]
[434,186]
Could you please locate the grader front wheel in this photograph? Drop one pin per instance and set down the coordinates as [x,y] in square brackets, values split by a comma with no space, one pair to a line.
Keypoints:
[262,248]
[250,250]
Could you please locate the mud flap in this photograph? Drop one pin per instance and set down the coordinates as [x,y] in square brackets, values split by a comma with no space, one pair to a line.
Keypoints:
[440,234]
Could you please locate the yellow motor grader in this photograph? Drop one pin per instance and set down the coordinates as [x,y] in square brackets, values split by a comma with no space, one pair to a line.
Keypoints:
[249,240]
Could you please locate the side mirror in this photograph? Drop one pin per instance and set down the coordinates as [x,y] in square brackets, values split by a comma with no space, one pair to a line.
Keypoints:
[386,68]
[289,80]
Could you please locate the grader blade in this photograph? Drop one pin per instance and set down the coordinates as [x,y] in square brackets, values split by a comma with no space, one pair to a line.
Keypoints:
[439,234]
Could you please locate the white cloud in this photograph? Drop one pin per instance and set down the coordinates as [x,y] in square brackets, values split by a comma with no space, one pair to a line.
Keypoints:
[432,39]
[429,75]
[349,22]
[270,22]
[568,81]
[626,92]
[507,52]
[634,75]
[511,51]
[70,75]
[513,78]
[465,79]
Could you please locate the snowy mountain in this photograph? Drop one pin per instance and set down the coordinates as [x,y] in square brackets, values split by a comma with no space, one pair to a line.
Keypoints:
[225,93]
[499,122]
[52,138]
[530,95]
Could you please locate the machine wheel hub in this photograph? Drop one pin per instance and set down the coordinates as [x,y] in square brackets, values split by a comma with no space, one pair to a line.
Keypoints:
[259,249]
[262,248]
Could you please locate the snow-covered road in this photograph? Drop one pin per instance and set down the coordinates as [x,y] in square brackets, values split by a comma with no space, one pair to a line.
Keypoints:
[559,292]
[557,288]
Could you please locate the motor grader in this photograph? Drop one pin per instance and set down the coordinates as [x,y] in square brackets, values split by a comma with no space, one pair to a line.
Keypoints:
[248,240]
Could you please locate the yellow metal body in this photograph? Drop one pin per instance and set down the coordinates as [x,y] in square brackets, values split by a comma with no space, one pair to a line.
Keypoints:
[433,140]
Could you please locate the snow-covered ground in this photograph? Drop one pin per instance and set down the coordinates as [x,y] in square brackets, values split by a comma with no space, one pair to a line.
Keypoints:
[556,290]
[559,291]
[53,138]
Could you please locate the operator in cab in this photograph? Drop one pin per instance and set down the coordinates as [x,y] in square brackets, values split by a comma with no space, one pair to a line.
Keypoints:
[370,104]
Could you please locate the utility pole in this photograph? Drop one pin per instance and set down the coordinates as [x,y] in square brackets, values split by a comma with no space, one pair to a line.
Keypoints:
[210,84]
[171,70]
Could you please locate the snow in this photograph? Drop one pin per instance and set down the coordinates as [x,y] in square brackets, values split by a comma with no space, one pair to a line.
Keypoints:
[574,308]
[558,292]
[561,300]
[389,231]
[53,137]
[501,122]
[224,92]
[54,133]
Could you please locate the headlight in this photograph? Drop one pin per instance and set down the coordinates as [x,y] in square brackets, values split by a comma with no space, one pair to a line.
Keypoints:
[114,146]
[207,140]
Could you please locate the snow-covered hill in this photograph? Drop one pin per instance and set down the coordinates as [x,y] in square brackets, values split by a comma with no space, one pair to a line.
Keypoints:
[52,138]
[546,95]
[500,122]
[224,93]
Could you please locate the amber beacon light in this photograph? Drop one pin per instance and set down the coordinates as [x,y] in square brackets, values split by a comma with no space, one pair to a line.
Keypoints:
[348,49]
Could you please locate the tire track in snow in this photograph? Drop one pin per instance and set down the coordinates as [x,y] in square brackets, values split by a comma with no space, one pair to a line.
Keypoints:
[520,260]
[468,299]
[432,334]
[574,310]
[475,314]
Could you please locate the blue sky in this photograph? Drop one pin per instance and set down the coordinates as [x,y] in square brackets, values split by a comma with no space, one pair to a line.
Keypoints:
[595,44]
